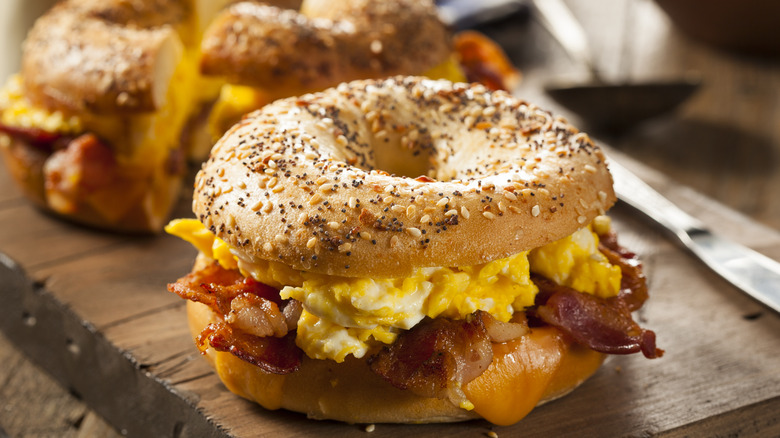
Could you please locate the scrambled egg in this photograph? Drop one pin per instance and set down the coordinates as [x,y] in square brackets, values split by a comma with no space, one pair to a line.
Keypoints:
[141,140]
[16,110]
[344,315]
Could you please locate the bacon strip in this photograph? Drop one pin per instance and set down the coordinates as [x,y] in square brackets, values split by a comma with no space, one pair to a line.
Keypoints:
[633,283]
[253,328]
[33,136]
[604,325]
[83,166]
[436,357]
[216,287]
[271,354]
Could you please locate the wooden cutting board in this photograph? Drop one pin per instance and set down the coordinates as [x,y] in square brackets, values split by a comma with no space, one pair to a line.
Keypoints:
[92,309]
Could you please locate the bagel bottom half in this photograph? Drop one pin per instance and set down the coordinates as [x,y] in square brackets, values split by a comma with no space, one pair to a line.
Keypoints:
[525,373]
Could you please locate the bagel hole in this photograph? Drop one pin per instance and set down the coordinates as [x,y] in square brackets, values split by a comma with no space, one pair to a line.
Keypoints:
[401,161]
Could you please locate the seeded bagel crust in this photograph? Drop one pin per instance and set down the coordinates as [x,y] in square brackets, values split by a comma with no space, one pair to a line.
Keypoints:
[289,53]
[114,56]
[378,177]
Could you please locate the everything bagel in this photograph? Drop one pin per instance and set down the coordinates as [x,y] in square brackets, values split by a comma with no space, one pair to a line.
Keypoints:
[291,52]
[407,250]
[380,177]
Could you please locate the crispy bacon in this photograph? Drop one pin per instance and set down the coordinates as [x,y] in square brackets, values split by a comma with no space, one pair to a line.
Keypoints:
[436,357]
[252,326]
[604,325]
[34,136]
[216,287]
[500,332]
[633,283]
[271,354]
[83,166]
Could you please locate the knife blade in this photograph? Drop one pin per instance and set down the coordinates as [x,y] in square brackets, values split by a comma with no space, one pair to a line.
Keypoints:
[752,272]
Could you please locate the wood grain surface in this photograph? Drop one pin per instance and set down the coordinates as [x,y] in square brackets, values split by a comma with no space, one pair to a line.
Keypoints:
[91,308]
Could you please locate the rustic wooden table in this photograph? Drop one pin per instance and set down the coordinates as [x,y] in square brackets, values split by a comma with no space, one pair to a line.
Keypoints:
[724,143]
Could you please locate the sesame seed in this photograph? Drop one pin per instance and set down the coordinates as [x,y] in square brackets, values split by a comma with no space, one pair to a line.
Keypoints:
[425,219]
[268,247]
[442,202]
[510,195]
[393,241]
[488,215]
[535,210]
[414,232]
[452,212]
[315,199]
[365,235]
[352,202]
[581,220]
[257,205]
[410,211]
[370,428]
[311,242]
[333,225]
[464,212]
[345,247]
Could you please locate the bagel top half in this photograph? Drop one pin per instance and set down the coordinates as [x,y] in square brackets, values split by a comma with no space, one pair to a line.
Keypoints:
[290,52]
[380,177]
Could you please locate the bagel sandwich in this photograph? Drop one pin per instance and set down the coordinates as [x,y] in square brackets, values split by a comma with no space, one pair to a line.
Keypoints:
[407,250]
[264,53]
[109,103]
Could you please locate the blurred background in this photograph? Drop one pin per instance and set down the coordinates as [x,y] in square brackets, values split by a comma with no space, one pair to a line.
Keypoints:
[722,139]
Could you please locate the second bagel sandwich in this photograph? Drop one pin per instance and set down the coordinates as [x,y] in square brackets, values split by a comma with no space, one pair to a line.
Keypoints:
[408,250]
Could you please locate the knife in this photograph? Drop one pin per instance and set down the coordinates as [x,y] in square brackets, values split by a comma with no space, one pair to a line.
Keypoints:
[753,273]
